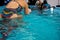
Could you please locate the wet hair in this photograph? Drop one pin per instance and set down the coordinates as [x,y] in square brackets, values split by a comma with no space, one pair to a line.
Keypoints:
[44,2]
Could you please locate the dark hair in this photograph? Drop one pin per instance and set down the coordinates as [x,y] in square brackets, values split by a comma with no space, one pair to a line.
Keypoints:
[45,2]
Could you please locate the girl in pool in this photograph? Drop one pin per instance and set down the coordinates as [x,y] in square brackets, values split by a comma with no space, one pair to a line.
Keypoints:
[43,5]
[38,3]
[10,12]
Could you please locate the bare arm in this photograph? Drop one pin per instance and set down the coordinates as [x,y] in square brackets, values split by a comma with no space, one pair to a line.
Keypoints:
[25,5]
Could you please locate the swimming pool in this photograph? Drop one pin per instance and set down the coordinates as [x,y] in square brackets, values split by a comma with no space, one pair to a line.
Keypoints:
[38,26]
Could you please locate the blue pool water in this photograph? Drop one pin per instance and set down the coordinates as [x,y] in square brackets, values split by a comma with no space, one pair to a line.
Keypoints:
[36,26]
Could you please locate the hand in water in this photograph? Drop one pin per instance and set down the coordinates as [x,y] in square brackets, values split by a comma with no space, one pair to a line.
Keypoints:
[29,10]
